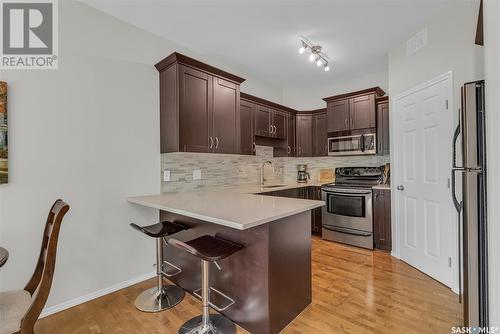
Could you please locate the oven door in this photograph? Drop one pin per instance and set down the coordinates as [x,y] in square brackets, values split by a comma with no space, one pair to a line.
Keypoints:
[348,208]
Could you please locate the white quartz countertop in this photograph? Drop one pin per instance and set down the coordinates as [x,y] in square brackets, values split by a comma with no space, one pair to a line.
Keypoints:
[240,208]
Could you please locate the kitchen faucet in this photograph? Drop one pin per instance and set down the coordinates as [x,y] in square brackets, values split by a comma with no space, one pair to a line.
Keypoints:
[262,179]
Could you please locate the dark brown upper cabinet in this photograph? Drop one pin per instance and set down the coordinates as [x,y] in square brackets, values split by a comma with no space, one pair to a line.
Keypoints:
[353,111]
[320,136]
[304,136]
[263,117]
[383,140]
[225,117]
[247,127]
[279,124]
[382,235]
[199,107]
[270,117]
[290,135]
[338,115]
[362,112]
[270,122]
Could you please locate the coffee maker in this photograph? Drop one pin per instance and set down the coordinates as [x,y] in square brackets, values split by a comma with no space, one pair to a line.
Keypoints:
[302,174]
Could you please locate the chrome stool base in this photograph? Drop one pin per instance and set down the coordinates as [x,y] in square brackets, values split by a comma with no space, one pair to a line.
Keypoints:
[218,325]
[152,301]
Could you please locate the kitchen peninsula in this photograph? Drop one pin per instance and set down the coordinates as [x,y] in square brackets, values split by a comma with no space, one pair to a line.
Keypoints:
[270,279]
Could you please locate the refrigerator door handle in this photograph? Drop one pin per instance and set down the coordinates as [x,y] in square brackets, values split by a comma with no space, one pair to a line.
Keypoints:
[458,204]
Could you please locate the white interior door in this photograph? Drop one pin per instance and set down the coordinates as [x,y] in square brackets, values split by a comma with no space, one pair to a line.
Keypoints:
[423,130]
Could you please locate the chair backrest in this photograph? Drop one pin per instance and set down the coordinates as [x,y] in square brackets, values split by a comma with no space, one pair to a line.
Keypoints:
[41,281]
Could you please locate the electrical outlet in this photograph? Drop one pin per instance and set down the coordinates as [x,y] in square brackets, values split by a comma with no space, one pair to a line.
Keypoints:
[196,174]
[166,175]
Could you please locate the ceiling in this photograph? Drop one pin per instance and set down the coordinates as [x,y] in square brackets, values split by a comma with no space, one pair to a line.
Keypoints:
[263,37]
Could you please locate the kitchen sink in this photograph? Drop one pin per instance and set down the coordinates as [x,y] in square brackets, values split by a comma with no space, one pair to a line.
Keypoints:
[274,186]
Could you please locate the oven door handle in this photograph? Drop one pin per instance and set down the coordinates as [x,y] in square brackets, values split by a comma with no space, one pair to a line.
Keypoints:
[348,192]
[346,230]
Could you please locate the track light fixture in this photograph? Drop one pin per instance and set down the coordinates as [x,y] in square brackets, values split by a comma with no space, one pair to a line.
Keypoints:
[317,56]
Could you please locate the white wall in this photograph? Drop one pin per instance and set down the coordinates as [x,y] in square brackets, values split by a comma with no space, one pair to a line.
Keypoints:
[492,69]
[311,98]
[88,133]
[450,46]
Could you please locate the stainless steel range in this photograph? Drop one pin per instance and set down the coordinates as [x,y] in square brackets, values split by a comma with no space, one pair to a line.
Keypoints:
[347,215]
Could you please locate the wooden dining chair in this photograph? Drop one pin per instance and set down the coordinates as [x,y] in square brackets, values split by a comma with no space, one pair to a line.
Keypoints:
[19,310]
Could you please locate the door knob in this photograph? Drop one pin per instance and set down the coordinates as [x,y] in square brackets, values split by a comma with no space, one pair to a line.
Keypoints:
[401,188]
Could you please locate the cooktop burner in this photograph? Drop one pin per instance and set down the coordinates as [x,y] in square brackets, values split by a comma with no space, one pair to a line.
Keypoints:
[356,177]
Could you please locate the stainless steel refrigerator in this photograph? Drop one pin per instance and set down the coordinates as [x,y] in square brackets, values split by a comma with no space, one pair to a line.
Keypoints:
[472,206]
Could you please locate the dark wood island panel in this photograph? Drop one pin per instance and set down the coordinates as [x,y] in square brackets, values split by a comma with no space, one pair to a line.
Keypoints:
[270,279]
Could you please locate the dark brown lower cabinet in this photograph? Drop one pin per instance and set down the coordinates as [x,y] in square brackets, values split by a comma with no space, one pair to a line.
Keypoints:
[382,219]
[316,214]
[311,192]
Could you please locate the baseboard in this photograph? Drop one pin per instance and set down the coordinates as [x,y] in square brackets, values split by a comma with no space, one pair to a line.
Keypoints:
[99,293]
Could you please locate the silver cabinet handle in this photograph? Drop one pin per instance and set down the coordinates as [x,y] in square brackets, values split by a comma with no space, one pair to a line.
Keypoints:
[274,127]
[270,129]
[253,147]
[289,150]
[401,188]
[211,141]
[352,123]
[216,143]
[346,122]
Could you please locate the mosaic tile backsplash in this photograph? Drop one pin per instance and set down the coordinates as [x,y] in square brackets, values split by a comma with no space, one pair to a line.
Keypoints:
[229,170]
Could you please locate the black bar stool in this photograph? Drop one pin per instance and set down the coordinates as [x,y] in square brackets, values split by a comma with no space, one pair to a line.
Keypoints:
[161,297]
[208,249]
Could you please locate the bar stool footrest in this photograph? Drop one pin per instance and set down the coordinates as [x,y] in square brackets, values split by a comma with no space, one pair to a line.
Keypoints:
[219,301]
[176,270]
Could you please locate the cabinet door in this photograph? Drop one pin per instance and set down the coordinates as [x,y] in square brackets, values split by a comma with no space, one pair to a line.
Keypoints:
[320,144]
[195,102]
[247,131]
[304,136]
[382,219]
[263,117]
[290,136]
[316,222]
[279,124]
[383,128]
[362,112]
[337,114]
[225,117]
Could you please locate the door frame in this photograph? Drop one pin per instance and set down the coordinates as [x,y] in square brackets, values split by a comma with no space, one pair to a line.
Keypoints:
[396,175]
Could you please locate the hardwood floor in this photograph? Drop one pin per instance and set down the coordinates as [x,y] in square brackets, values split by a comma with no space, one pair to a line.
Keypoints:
[354,291]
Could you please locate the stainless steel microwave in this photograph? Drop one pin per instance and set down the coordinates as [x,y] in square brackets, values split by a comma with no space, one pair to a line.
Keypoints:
[353,145]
